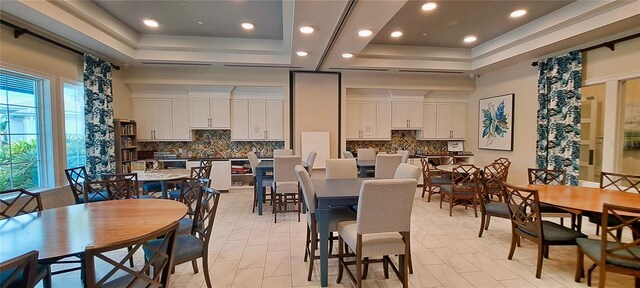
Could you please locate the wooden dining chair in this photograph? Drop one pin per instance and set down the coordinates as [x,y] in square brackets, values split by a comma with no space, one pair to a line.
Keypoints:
[195,245]
[610,253]
[382,228]
[133,179]
[21,202]
[524,211]
[447,160]
[463,189]
[154,273]
[76,178]
[190,190]
[285,189]
[492,178]
[20,271]
[199,172]
[336,215]
[432,179]
[553,177]
[16,202]
[617,182]
[113,189]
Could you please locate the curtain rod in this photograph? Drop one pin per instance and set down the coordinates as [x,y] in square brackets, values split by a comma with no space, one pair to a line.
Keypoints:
[19,31]
[610,44]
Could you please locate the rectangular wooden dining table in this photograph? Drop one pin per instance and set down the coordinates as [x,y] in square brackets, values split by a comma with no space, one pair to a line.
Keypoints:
[264,168]
[332,193]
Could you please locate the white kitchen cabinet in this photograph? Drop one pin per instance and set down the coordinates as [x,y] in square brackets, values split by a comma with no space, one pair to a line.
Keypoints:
[156,118]
[383,121]
[220,176]
[430,123]
[239,119]
[353,120]
[406,115]
[181,128]
[451,120]
[209,113]
[261,119]
[362,120]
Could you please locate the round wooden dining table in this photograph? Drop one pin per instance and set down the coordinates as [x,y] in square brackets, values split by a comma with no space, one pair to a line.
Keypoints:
[67,231]
[584,198]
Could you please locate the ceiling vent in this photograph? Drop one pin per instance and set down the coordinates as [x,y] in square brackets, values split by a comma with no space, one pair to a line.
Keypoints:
[360,69]
[176,63]
[262,66]
[431,71]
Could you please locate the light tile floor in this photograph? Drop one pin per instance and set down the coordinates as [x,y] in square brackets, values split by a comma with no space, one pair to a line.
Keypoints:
[251,251]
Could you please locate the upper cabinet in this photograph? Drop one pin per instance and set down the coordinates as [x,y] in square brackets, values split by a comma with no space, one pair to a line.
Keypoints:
[209,114]
[257,120]
[445,121]
[368,120]
[155,119]
[406,115]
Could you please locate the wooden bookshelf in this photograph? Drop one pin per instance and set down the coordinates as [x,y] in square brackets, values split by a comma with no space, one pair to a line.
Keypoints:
[126,144]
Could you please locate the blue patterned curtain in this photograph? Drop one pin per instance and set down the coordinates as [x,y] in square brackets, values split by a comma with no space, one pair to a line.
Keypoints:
[99,117]
[558,144]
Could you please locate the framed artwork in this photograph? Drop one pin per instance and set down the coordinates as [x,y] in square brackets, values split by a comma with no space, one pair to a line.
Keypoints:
[495,123]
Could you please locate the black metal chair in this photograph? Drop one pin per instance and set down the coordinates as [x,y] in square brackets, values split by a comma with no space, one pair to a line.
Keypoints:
[612,256]
[196,244]
[154,273]
[526,222]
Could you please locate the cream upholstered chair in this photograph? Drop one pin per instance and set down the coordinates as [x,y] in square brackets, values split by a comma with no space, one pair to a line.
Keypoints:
[285,188]
[336,215]
[382,227]
[386,165]
[347,155]
[311,159]
[407,171]
[282,152]
[341,169]
[405,155]
[253,161]
[367,154]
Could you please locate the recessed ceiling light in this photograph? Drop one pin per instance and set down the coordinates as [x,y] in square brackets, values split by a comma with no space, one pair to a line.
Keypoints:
[429,6]
[347,55]
[518,13]
[424,34]
[470,38]
[302,53]
[200,22]
[150,22]
[396,34]
[452,22]
[365,33]
[306,29]
[247,26]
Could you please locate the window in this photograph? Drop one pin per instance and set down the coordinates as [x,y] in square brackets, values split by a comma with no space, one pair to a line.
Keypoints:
[592,132]
[629,161]
[74,125]
[20,122]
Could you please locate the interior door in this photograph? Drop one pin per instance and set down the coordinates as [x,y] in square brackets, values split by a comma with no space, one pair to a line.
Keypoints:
[588,126]
[257,118]
[274,120]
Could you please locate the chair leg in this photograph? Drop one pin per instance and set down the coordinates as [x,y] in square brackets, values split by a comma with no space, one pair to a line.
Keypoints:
[307,241]
[441,199]
[255,196]
[475,207]
[562,221]
[359,263]
[46,281]
[579,266]
[619,233]
[482,224]
[385,266]
[488,221]
[430,193]
[312,253]
[603,277]
[194,264]
[597,229]
[540,258]
[424,189]
[512,250]
[205,267]
[546,251]
[451,205]
[365,269]
[340,260]
[330,246]
[130,259]
[590,272]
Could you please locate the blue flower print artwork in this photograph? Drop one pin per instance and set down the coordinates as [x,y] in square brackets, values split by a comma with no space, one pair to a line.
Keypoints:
[496,123]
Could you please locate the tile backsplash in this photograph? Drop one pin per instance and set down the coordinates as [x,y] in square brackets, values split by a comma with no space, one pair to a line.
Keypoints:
[213,144]
[402,140]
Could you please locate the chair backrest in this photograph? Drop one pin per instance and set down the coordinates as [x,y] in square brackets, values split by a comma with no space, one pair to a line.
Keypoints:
[385,205]
[407,171]
[190,191]
[347,155]
[20,271]
[523,208]
[205,215]
[308,192]
[620,182]
[205,162]
[505,164]
[22,202]
[492,177]
[113,189]
[405,155]
[367,154]
[253,161]
[427,171]
[466,178]
[201,172]
[282,152]
[132,177]
[547,177]
[76,177]
[386,165]
[284,168]
[154,273]
[447,160]
[341,169]
[622,251]
[311,159]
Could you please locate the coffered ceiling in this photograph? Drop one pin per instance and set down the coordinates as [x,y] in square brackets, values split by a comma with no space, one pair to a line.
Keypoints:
[114,30]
